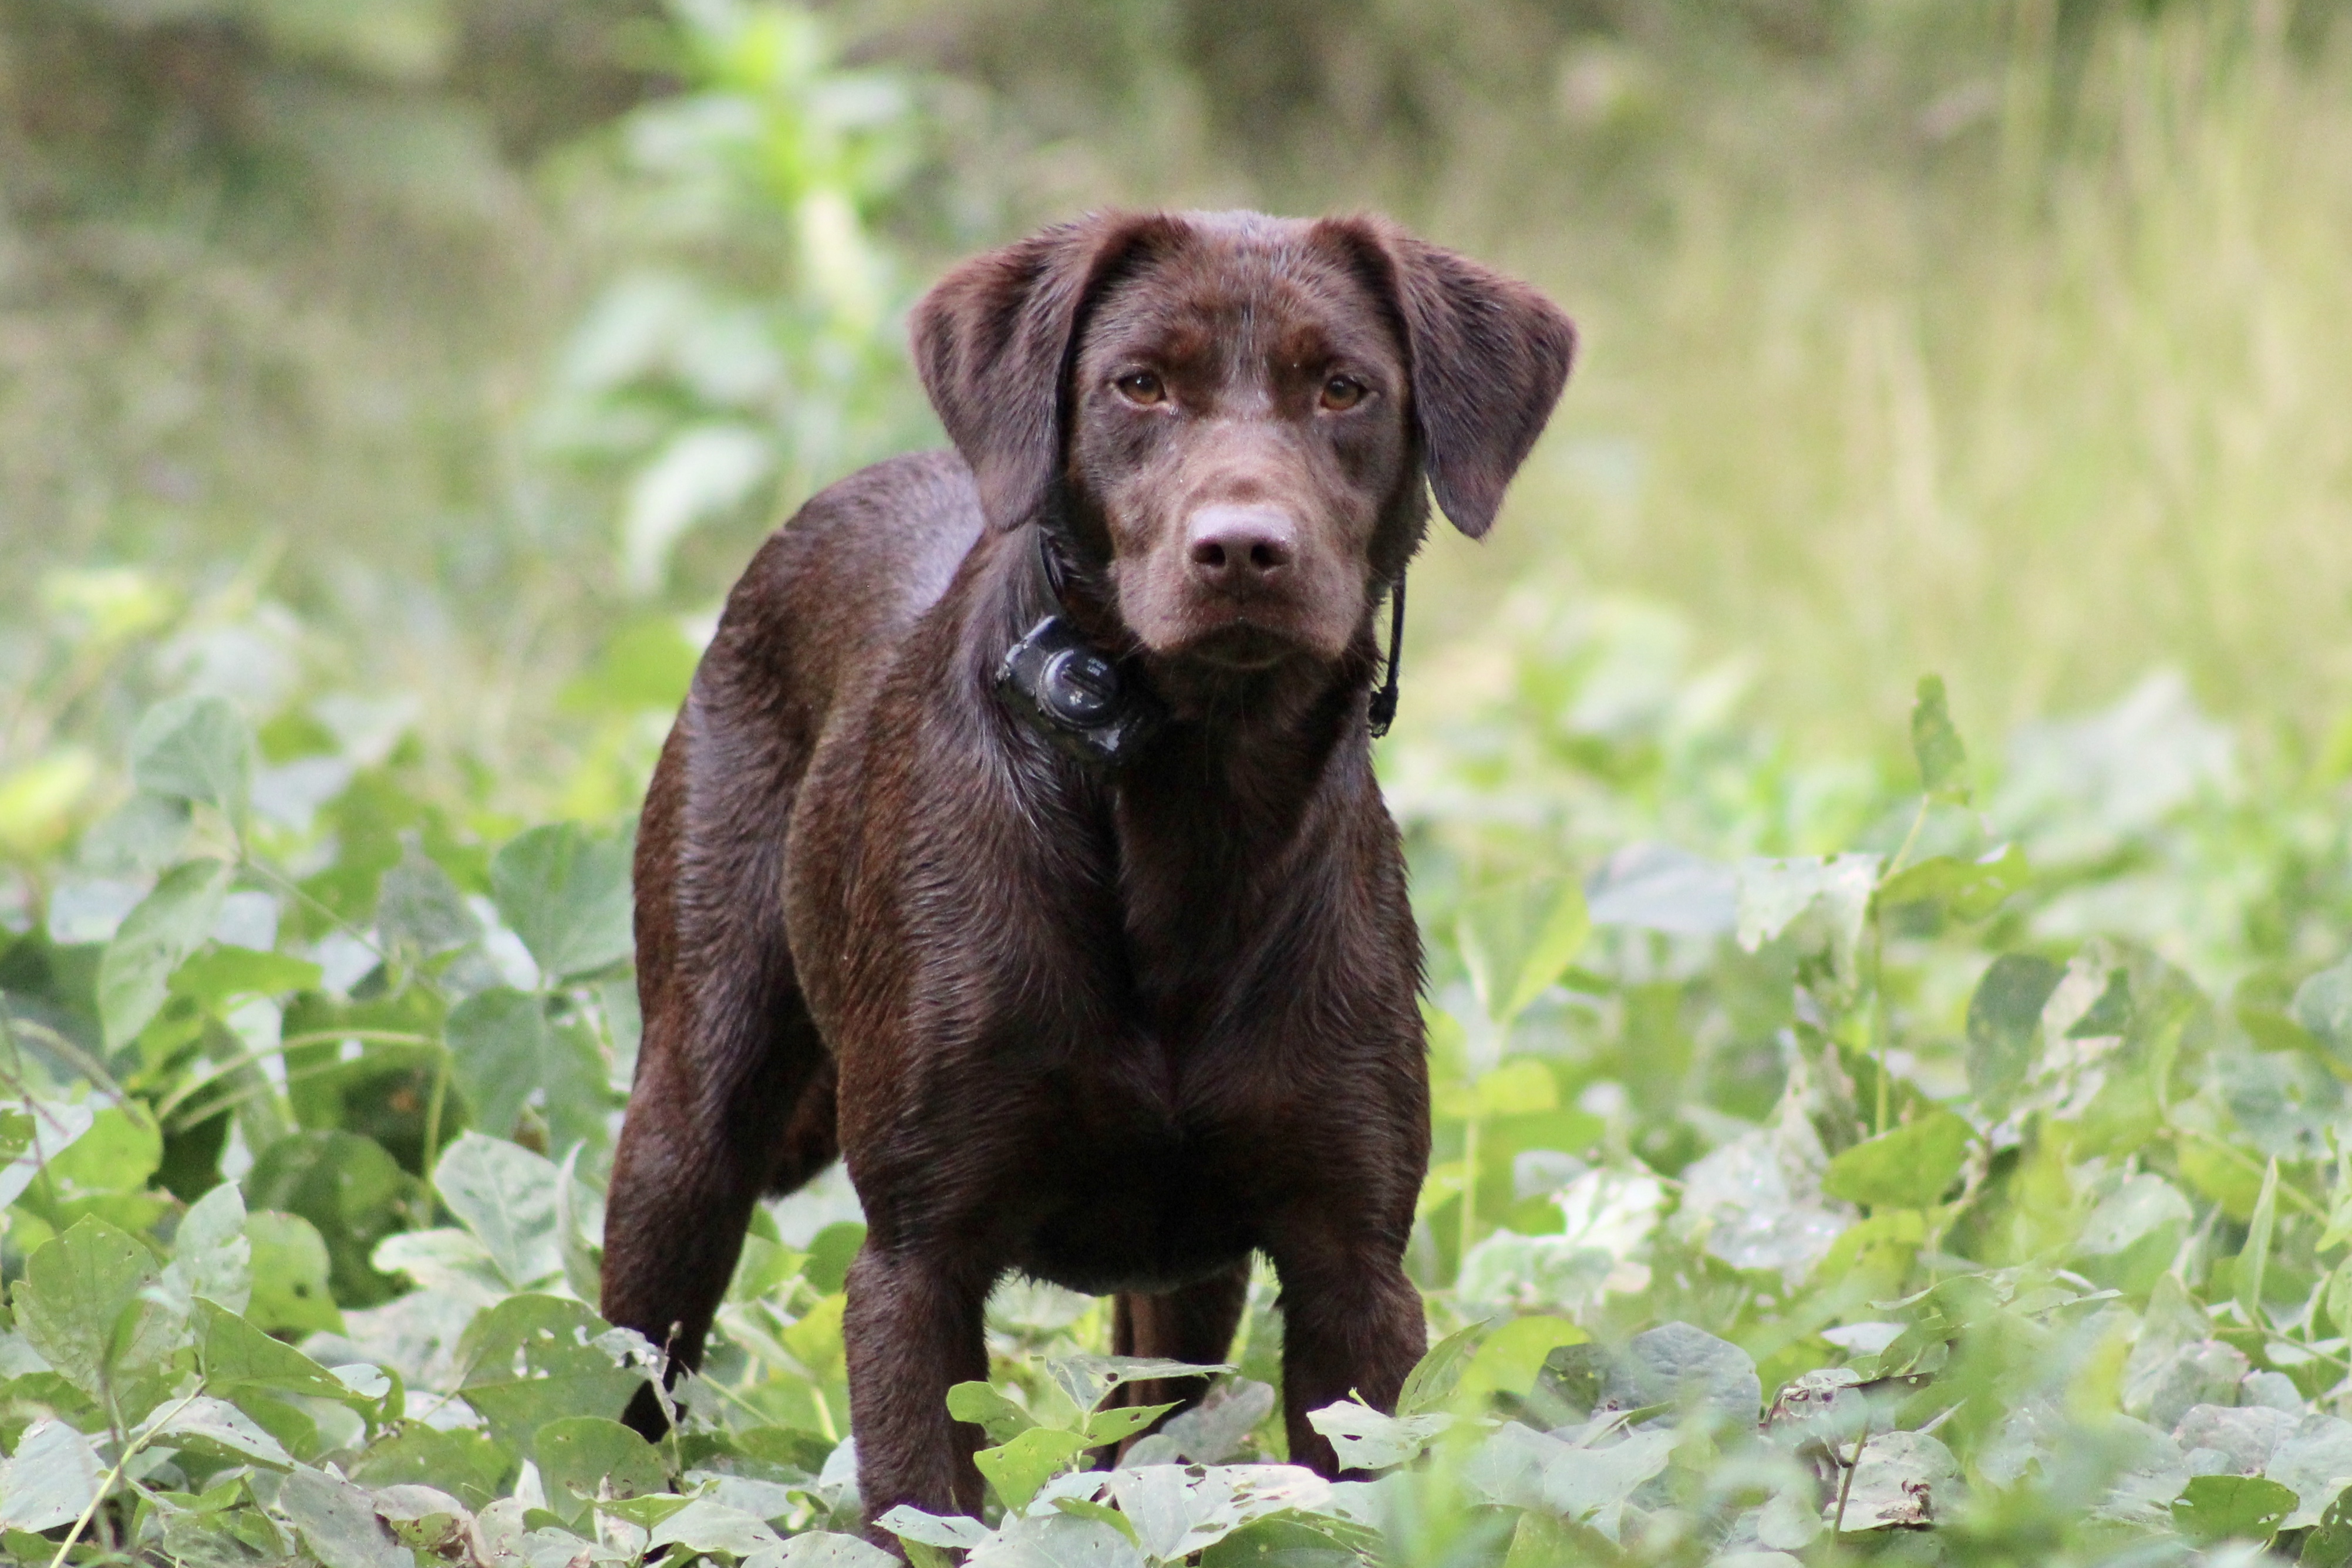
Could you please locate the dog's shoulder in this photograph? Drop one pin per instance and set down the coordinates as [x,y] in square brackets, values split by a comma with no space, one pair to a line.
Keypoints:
[856,564]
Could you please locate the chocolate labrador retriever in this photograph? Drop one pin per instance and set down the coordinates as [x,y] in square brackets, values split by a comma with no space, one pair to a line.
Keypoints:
[1019,841]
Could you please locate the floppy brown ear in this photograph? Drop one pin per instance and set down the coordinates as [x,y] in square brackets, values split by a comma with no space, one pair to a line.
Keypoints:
[1489,354]
[994,340]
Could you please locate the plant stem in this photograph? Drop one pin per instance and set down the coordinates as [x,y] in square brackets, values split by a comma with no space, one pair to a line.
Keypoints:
[1845,1487]
[131,1446]
[432,1115]
[186,1092]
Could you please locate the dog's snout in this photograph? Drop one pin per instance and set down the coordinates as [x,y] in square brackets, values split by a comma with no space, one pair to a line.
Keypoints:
[1238,545]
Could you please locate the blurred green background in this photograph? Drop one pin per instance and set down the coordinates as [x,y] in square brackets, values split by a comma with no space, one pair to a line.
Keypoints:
[390,390]
[2010,341]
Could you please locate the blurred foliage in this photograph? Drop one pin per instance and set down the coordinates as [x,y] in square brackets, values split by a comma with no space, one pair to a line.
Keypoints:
[1846,1148]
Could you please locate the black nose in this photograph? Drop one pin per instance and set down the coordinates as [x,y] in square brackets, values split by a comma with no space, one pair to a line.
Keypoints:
[1230,546]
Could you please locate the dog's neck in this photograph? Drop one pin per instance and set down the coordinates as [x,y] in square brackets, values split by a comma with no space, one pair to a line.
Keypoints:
[1283,715]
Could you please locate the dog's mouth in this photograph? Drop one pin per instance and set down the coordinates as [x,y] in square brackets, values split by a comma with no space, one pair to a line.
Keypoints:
[1240,645]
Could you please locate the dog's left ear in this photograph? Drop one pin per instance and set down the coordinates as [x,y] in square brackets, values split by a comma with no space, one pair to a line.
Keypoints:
[995,339]
[1489,354]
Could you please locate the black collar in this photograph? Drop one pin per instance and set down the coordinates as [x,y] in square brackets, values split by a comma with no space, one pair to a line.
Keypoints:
[1099,709]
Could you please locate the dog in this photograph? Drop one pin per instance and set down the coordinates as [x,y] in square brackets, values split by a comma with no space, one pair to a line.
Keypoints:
[1018,841]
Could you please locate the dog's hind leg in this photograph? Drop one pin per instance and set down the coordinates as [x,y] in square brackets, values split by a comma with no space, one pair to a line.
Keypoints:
[734,1089]
[1195,1323]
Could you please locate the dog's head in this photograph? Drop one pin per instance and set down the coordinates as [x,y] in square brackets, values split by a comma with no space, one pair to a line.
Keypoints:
[1231,418]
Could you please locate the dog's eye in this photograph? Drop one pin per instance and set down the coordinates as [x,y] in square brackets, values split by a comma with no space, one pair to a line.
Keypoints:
[1142,387]
[1343,393]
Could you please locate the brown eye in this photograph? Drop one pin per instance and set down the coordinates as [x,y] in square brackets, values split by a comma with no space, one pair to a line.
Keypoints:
[1343,393]
[1142,387]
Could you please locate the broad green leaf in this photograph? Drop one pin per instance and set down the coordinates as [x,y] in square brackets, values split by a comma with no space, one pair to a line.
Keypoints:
[2111,1014]
[1908,1168]
[1593,1484]
[347,1186]
[2329,1545]
[952,1531]
[117,1154]
[704,1525]
[467,1463]
[338,1523]
[990,1410]
[1017,1469]
[291,1270]
[2231,1508]
[195,748]
[84,1305]
[1832,895]
[534,1359]
[505,1194]
[1935,745]
[1508,1360]
[32,1134]
[1214,1430]
[235,1354]
[426,1520]
[581,1458]
[824,1549]
[1432,1381]
[1519,1086]
[1968,890]
[1554,948]
[565,892]
[52,1478]
[217,1429]
[645,1512]
[1678,1364]
[445,1259]
[220,975]
[2323,1004]
[2254,1258]
[1902,1479]
[2005,1026]
[1086,1378]
[154,939]
[1121,1421]
[419,910]
[1365,1439]
[503,1047]
[580,1232]
[211,1256]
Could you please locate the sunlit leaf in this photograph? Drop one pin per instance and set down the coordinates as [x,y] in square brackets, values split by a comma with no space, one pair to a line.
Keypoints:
[154,939]
[565,892]
[1908,1168]
[534,1359]
[1935,745]
[52,1478]
[2004,1026]
[84,1305]
[582,1457]
[1017,1469]
[505,1194]
[195,748]
[338,1523]
[2225,1508]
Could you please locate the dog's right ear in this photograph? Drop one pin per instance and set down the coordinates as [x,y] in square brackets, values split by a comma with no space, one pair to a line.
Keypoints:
[995,340]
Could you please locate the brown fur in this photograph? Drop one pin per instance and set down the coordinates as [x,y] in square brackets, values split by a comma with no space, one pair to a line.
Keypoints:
[1120,1031]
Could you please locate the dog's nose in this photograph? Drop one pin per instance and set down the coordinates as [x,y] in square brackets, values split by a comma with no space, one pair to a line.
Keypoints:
[1232,546]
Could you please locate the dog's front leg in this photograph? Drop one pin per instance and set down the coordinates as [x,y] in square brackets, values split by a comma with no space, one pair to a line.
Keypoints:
[914,1331]
[1352,1325]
